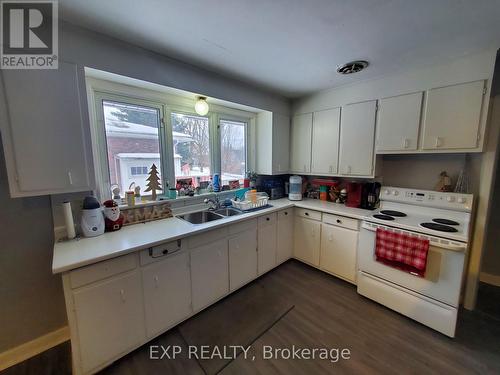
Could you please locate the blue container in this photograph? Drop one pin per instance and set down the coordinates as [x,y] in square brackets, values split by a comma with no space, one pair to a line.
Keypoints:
[216,182]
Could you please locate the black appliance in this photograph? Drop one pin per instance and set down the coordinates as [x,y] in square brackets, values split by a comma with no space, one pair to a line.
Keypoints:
[370,195]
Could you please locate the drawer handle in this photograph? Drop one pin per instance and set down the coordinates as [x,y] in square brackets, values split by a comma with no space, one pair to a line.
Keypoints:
[122,295]
[306,213]
[339,221]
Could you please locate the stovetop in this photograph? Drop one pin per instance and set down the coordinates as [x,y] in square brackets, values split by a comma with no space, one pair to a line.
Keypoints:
[445,215]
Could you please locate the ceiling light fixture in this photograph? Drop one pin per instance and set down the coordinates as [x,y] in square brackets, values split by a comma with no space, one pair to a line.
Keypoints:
[201,106]
[352,67]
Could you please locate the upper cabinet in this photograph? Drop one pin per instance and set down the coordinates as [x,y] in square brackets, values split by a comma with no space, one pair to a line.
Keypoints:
[45,131]
[325,142]
[452,117]
[398,121]
[357,133]
[272,143]
[300,150]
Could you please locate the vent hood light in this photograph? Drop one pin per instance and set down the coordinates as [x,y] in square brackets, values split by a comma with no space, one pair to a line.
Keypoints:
[201,106]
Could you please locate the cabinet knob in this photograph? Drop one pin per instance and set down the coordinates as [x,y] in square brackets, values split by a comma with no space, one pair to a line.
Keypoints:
[339,221]
[267,219]
[156,280]
[70,178]
[286,213]
[122,295]
[406,143]
[306,213]
[439,141]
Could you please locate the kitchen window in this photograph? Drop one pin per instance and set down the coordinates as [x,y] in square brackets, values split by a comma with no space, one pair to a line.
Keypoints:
[233,150]
[135,128]
[191,147]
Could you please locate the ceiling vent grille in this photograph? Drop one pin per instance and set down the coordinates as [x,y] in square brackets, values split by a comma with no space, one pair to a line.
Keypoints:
[352,67]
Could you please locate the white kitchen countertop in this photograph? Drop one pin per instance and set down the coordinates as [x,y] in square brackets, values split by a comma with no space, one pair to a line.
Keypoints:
[80,252]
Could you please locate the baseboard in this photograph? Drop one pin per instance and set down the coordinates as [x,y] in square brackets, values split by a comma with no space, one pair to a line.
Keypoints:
[29,349]
[488,278]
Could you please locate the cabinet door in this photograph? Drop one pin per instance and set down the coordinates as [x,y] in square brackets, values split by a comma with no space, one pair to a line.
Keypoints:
[209,273]
[266,243]
[452,116]
[48,130]
[300,150]
[357,133]
[307,240]
[284,249]
[325,141]
[398,120]
[242,258]
[338,251]
[167,292]
[110,319]
[281,143]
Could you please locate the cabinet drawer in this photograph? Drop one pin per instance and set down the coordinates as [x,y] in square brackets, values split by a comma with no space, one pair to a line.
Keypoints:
[159,252]
[285,214]
[341,221]
[207,237]
[267,220]
[243,226]
[102,270]
[309,214]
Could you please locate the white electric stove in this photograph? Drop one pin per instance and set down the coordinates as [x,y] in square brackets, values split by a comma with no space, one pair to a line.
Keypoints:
[443,219]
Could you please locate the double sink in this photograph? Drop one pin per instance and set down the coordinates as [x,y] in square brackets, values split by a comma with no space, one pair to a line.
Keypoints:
[200,217]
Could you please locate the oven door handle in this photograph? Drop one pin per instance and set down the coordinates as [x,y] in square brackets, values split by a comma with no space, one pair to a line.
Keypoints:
[433,241]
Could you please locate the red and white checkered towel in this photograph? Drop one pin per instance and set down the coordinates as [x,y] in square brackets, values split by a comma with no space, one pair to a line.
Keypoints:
[402,251]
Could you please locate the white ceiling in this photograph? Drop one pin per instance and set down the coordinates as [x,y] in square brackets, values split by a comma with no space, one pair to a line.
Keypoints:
[293,46]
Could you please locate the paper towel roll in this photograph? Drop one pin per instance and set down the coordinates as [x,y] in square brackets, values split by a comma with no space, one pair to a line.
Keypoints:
[68,220]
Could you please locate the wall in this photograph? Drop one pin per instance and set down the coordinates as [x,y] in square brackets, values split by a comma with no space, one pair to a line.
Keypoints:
[425,169]
[31,299]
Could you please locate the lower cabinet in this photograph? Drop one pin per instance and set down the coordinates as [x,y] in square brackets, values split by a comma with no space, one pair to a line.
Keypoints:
[209,273]
[167,292]
[284,238]
[242,258]
[307,240]
[338,251]
[109,319]
[267,243]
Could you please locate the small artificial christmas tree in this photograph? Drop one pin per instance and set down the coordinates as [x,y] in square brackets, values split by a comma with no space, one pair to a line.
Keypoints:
[153,182]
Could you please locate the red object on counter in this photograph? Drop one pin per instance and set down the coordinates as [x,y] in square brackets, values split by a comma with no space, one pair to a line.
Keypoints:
[354,194]
[402,251]
[246,183]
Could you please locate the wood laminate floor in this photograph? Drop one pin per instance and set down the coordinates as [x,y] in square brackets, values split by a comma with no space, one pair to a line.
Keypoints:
[326,313]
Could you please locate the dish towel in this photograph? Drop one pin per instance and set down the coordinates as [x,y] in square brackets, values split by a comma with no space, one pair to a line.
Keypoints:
[402,251]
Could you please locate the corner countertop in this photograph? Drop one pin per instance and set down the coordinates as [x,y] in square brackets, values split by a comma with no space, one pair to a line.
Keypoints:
[80,252]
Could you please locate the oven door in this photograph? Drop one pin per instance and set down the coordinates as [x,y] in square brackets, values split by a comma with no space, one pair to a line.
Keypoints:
[445,264]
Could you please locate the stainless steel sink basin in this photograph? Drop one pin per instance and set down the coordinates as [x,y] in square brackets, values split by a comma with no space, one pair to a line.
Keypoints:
[228,211]
[201,217]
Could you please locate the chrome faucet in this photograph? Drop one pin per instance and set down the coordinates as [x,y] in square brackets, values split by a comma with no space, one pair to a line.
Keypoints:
[214,204]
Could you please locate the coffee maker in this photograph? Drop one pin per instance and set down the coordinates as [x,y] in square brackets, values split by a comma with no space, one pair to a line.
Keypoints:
[370,195]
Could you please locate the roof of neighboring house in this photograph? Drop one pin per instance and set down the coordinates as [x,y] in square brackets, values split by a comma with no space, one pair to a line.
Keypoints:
[124,129]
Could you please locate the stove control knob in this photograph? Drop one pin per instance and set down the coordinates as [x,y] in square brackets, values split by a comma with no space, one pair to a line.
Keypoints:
[450,199]
[461,200]
[395,192]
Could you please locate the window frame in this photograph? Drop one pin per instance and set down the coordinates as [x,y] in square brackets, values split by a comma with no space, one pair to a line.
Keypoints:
[99,90]
[247,121]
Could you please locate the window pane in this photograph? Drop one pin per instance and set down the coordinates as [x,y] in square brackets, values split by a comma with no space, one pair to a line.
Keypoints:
[191,148]
[133,143]
[233,150]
